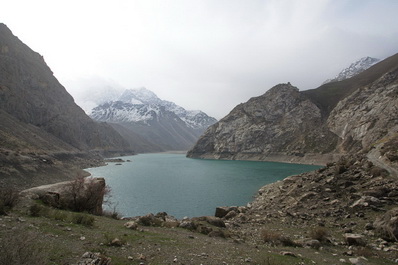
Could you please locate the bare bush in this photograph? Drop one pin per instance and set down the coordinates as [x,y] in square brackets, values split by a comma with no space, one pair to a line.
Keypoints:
[275,238]
[8,199]
[86,195]
[320,234]
[83,219]
[20,248]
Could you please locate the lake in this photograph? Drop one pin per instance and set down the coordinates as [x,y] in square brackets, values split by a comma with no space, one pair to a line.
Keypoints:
[181,186]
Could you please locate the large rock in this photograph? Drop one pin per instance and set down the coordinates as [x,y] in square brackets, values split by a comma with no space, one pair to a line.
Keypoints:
[387,225]
[90,258]
[223,211]
[82,194]
[354,239]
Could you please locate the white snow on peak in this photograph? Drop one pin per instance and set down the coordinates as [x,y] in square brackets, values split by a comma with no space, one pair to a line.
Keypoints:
[354,69]
[142,105]
[139,96]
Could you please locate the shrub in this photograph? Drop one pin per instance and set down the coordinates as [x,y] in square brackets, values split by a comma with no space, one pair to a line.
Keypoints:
[83,219]
[378,171]
[112,240]
[320,234]
[364,252]
[36,210]
[275,238]
[87,195]
[340,169]
[8,199]
[59,215]
[20,248]
[111,214]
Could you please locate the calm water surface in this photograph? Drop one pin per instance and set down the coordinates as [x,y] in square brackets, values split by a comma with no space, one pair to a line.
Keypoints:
[181,186]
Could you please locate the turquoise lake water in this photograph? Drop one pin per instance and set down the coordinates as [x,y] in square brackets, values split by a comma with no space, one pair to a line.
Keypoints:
[181,186]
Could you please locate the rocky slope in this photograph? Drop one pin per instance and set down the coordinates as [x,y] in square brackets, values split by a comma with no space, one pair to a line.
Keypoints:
[267,126]
[40,118]
[354,69]
[162,124]
[313,126]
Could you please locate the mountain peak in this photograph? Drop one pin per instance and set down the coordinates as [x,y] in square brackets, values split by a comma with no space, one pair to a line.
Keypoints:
[354,69]
[139,96]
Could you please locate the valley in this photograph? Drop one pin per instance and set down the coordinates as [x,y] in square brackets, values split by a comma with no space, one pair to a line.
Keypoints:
[342,213]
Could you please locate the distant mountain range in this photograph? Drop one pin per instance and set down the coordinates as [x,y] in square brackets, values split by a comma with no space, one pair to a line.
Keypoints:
[354,69]
[161,125]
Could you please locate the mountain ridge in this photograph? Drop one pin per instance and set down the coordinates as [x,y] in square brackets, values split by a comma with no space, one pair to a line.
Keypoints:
[41,119]
[266,128]
[354,69]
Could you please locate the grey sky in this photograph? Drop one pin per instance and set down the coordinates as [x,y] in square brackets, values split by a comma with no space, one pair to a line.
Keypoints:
[202,54]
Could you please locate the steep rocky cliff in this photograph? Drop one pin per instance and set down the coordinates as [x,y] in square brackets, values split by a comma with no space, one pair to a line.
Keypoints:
[39,118]
[367,115]
[313,126]
[280,122]
[30,92]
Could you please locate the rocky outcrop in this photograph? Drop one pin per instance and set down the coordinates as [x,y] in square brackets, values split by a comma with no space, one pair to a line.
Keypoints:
[367,115]
[82,194]
[313,126]
[281,123]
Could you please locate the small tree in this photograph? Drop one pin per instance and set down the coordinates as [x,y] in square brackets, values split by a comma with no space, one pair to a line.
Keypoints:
[85,195]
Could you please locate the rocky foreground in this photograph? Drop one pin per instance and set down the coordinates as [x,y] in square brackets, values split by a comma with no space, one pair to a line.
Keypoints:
[344,213]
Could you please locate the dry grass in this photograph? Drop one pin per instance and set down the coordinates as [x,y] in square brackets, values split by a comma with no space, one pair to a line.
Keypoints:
[320,234]
[274,238]
[8,199]
[19,248]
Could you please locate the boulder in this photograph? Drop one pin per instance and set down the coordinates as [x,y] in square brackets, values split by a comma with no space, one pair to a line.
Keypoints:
[131,225]
[354,239]
[311,243]
[188,224]
[90,258]
[150,220]
[366,201]
[223,211]
[81,194]
[358,261]
[387,225]
[231,214]
[116,242]
[215,221]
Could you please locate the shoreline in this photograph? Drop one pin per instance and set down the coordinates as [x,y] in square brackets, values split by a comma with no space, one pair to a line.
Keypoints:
[307,159]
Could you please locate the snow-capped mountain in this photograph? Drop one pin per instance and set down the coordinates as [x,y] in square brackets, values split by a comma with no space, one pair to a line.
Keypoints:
[118,111]
[142,105]
[354,69]
[161,122]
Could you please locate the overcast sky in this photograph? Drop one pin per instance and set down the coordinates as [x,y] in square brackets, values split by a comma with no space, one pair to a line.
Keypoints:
[202,54]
